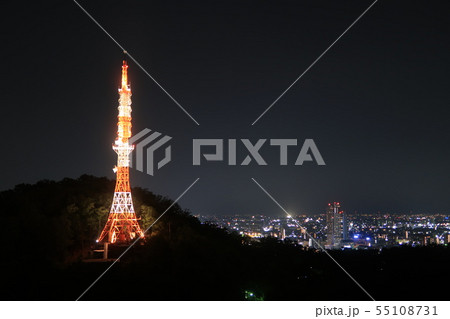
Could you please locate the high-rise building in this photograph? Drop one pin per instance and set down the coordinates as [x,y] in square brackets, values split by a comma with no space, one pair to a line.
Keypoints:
[336,226]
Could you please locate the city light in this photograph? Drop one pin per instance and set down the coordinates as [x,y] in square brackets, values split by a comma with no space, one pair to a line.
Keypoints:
[364,230]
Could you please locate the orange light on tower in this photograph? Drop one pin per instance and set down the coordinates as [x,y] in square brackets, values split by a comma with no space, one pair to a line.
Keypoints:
[122,225]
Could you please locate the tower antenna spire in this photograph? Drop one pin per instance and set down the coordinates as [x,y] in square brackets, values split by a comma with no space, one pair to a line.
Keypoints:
[125,85]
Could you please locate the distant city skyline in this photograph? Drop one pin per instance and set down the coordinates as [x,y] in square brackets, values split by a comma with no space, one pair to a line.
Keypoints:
[358,232]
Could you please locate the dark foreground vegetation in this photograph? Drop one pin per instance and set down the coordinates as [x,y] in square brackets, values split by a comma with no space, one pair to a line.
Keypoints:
[50,227]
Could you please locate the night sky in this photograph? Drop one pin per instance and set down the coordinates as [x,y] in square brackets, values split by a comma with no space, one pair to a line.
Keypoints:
[377,104]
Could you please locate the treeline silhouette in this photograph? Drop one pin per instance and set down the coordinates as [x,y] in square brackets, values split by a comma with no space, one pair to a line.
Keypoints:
[49,228]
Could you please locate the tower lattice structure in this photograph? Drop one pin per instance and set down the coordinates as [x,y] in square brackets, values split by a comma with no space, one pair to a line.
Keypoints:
[122,225]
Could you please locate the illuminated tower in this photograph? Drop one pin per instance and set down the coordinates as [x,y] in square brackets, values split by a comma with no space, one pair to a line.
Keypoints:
[122,225]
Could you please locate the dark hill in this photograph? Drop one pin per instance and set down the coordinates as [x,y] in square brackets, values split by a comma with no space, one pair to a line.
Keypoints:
[49,227]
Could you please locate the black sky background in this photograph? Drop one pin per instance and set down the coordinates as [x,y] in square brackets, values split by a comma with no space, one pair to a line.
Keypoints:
[377,104]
